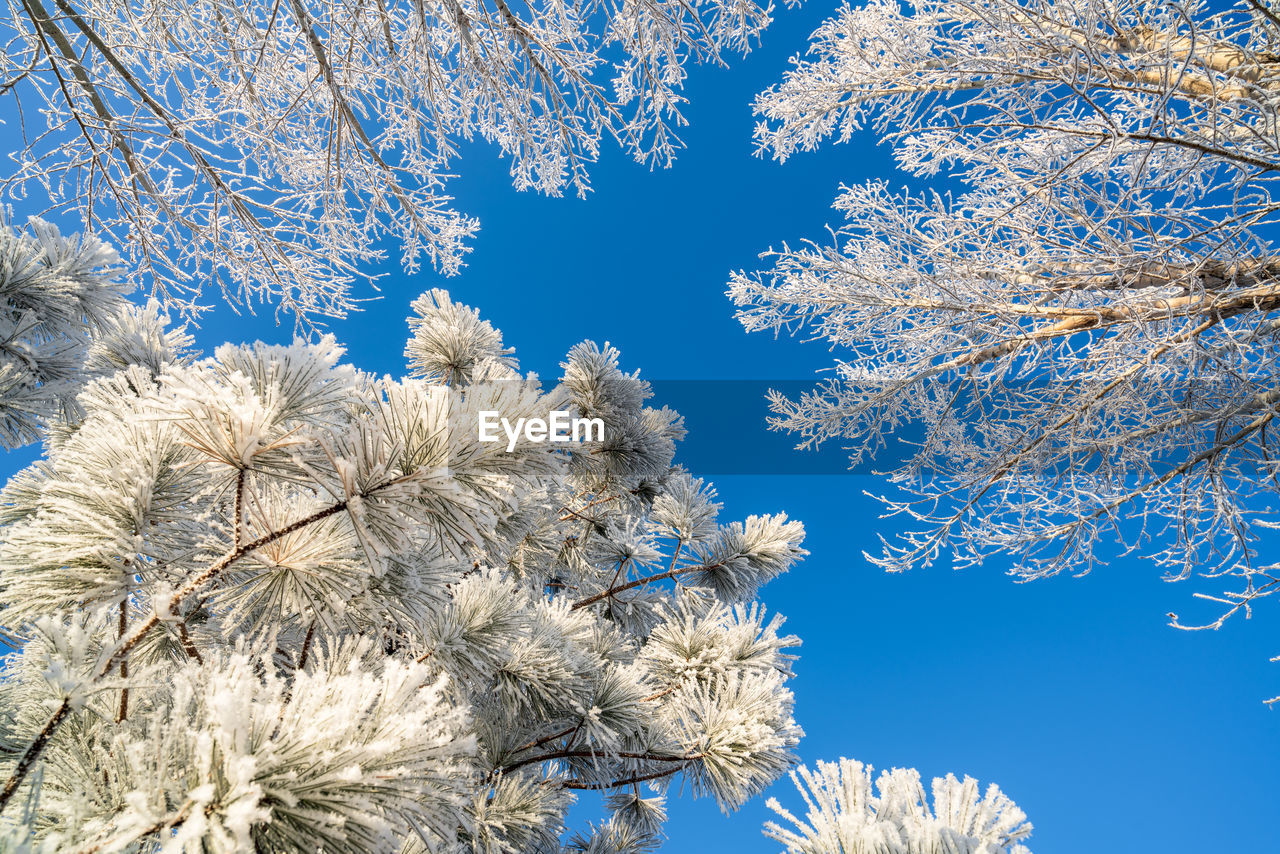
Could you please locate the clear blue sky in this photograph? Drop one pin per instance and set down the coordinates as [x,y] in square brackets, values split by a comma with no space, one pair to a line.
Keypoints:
[1113,731]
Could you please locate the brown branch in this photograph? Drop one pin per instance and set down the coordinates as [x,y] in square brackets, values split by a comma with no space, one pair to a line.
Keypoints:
[9,84]
[46,30]
[187,646]
[33,752]
[930,545]
[639,778]
[239,508]
[123,713]
[1266,12]
[202,165]
[213,571]
[671,573]
[1155,139]
[570,514]
[660,694]
[1186,466]
[1219,57]
[598,754]
[168,823]
[1264,299]
[306,645]
[538,742]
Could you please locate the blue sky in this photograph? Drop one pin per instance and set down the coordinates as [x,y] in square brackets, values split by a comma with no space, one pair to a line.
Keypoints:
[1113,731]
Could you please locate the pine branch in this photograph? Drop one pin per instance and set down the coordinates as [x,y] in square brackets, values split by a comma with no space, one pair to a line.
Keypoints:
[648,579]
[123,713]
[597,754]
[306,645]
[538,742]
[628,781]
[32,753]
[192,586]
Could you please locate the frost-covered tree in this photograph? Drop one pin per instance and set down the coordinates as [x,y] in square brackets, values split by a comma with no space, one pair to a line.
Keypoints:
[64,319]
[268,146]
[263,601]
[845,814]
[1082,328]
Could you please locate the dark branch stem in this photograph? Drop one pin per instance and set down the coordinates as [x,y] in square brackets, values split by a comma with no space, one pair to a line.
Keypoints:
[306,645]
[33,752]
[639,778]
[671,573]
[187,646]
[597,754]
[538,742]
[123,714]
[238,527]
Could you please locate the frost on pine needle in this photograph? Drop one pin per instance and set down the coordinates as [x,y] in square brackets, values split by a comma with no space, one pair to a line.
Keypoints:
[687,508]
[615,836]
[451,344]
[645,814]
[745,555]
[136,335]
[740,727]
[845,813]
[54,292]
[349,754]
[639,442]
[264,601]
[517,813]
[700,639]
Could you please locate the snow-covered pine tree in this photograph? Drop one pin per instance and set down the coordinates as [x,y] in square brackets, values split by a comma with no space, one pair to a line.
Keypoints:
[264,601]
[846,815]
[55,291]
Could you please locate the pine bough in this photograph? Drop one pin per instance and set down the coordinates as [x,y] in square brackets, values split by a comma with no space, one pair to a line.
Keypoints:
[264,601]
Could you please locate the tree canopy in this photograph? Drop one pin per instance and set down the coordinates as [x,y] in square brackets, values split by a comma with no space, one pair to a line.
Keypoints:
[271,150]
[1074,307]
